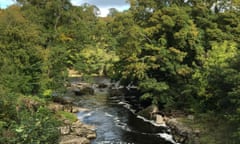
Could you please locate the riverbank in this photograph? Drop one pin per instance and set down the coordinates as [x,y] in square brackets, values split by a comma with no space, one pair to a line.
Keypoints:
[72,129]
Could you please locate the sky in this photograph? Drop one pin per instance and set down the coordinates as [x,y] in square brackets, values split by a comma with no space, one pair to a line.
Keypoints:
[5,3]
[103,5]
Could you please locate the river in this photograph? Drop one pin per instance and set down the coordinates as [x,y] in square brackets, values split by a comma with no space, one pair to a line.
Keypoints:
[116,121]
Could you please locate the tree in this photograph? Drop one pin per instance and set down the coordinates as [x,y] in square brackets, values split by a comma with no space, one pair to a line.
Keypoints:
[21,62]
[112,12]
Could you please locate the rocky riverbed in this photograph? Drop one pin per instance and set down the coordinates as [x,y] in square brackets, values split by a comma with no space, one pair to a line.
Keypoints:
[72,131]
[77,132]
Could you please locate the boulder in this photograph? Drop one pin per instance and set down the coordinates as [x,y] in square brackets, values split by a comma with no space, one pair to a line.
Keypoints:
[102,85]
[63,99]
[83,91]
[79,131]
[160,119]
[76,133]
[76,124]
[89,127]
[116,91]
[91,136]
[149,112]
[67,122]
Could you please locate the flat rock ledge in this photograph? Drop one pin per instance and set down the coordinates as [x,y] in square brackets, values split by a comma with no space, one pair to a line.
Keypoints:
[76,133]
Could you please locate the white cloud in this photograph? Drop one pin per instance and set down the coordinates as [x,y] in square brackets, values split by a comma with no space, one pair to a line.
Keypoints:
[105,10]
[76,2]
[104,5]
[101,3]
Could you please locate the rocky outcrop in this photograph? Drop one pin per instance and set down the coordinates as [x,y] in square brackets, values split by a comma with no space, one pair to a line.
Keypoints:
[181,132]
[149,112]
[73,132]
[82,89]
[76,133]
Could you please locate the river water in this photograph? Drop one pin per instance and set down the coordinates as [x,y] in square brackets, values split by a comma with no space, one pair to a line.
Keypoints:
[116,121]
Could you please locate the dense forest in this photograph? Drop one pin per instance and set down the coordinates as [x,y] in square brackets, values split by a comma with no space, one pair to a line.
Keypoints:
[182,55]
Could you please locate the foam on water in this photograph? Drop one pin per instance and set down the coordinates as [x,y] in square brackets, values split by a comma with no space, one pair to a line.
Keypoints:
[82,116]
[151,121]
[123,126]
[107,114]
[127,106]
[167,137]
[118,122]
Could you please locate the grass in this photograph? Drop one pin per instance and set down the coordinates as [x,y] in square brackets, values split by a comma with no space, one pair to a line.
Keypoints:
[67,115]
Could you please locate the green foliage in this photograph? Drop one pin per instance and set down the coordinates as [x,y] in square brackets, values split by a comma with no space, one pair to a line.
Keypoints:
[47,93]
[21,61]
[66,115]
[217,78]
[95,61]
[38,127]
[26,120]
[156,91]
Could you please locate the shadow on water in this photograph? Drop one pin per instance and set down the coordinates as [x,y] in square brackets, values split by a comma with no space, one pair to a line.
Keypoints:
[116,122]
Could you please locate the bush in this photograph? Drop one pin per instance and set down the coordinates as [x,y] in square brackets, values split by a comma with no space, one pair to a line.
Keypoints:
[26,120]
